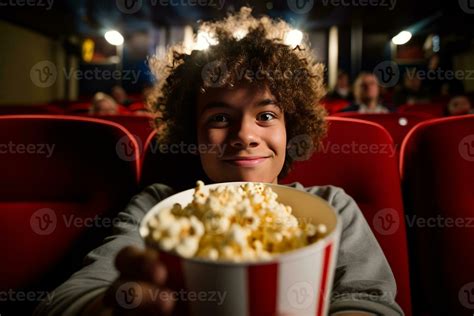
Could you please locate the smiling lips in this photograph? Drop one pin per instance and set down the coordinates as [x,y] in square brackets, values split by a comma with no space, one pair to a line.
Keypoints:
[248,161]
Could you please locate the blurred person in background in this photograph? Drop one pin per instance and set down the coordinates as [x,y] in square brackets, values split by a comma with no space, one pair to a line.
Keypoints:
[103,104]
[439,85]
[410,91]
[366,95]
[119,94]
[342,90]
[459,105]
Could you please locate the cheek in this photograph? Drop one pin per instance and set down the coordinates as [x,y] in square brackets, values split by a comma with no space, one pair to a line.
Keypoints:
[212,136]
[277,140]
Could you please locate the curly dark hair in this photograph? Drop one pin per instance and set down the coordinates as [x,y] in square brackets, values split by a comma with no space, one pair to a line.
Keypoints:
[259,54]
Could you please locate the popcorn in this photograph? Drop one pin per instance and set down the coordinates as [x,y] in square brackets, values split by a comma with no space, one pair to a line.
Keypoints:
[232,223]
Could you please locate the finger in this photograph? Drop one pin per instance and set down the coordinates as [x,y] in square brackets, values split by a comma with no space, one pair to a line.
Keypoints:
[137,264]
[138,298]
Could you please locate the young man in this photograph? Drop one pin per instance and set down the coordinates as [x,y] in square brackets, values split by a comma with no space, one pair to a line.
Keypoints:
[247,95]
[366,95]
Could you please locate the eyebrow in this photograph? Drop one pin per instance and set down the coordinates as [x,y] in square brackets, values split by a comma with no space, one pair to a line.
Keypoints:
[221,104]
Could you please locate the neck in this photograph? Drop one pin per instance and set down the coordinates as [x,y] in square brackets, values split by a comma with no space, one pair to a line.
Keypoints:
[371,103]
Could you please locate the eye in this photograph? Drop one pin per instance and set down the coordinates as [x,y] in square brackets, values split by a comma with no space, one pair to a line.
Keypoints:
[219,119]
[267,116]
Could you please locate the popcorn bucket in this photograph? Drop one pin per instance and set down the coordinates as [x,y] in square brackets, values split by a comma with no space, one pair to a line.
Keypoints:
[297,282]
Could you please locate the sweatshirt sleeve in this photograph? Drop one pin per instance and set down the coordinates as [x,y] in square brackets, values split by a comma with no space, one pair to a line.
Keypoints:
[363,280]
[99,270]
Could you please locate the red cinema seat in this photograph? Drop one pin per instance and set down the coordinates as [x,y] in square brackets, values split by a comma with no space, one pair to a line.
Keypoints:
[137,106]
[397,124]
[140,126]
[359,157]
[29,109]
[437,167]
[333,106]
[435,109]
[78,108]
[61,178]
[169,165]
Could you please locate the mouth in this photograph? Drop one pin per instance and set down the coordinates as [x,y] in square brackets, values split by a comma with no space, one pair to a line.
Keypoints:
[245,161]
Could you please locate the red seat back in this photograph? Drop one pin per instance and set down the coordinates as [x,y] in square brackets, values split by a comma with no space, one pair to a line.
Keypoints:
[437,169]
[58,174]
[397,124]
[435,109]
[359,157]
[179,170]
[140,126]
[30,109]
[333,106]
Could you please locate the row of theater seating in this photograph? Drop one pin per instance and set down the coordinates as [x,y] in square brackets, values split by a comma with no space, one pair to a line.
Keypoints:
[435,109]
[73,108]
[97,165]
[332,106]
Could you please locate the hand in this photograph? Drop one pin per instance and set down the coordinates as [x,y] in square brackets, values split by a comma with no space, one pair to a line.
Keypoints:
[140,288]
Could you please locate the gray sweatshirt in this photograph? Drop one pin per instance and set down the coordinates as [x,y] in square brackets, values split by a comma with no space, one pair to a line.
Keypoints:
[363,279]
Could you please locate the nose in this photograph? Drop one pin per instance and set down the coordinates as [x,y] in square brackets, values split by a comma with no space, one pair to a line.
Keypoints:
[245,134]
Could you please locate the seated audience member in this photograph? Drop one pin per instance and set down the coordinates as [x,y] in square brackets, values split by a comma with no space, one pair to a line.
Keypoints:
[459,105]
[366,95]
[342,90]
[103,104]
[410,91]
[119,94]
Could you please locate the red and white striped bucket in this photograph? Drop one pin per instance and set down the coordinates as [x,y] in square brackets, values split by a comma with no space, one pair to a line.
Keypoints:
[294,283]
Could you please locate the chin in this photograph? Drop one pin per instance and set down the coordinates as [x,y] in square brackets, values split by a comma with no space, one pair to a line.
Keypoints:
[247,176]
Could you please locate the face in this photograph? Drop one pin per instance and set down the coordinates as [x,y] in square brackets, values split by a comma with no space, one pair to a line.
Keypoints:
[459,106]
[244,132]
[368,87]
[119,94]
[343,81]
[106,107]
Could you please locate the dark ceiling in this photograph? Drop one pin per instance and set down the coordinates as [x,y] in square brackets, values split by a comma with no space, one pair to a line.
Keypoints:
[89,17]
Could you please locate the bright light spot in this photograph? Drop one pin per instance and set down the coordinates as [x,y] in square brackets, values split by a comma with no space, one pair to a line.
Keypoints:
[240,34]
[402,121]
[402,38]
[114,37]
[293,38]
[204,40]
